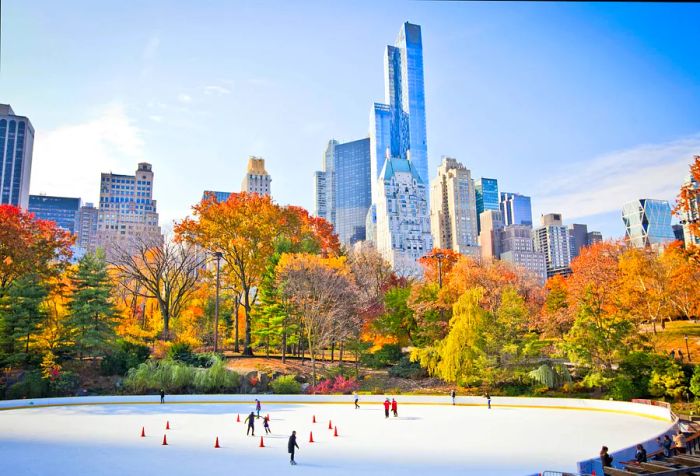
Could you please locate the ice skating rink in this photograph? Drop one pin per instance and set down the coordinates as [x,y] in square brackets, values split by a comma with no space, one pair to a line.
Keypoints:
[430,436]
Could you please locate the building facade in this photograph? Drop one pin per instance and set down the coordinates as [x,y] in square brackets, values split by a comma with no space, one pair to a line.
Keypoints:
[16,147]
[487,197]
[403,221]
[692,215]
[256,179]
[594,237]
[516,209]
[517,248]
[398,125]
[218,196]
[61,210]
[343,192]
[647,222]
[578,238]
[453,209]
[489,236]
[127,212]
[86,228]
[552,239]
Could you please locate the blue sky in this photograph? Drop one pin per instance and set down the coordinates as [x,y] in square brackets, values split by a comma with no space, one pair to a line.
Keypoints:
[581,106]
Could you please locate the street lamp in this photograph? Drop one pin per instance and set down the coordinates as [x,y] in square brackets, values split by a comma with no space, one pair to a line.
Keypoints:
[687,349]
[439,256]
[217,255]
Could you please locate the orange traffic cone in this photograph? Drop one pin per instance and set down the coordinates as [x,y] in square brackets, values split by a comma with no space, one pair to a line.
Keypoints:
[335,433]
[167,425]
[216,444]
[311,437]
[165,440]
[314,420]
[238,418]
[143,432]
[330,425]
[262,445]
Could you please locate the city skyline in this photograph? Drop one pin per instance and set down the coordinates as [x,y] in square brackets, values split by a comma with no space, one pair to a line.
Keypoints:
[106,123]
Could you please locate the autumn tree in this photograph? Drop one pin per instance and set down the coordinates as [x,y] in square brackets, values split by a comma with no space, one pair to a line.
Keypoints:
[166,271]
[438,263]
[688,202]
[682,272]
[30,246]
[555,319]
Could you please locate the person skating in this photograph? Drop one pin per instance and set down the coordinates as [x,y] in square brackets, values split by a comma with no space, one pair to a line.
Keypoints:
[251,423]
[387,405]
[453,394]
[641,454]
[162,396]
[354,394]
[488,400]
[266,425]
[605,459]
[394,407]
[291,446]
[258,407]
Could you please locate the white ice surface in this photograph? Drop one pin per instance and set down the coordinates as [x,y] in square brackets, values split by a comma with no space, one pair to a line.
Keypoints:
[103,439]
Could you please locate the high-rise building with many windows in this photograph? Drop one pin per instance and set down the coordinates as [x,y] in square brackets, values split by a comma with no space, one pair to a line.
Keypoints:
[489,236]
[578,238]
[552,239]
[256,179]
[218,196]
[516,209]
[86,228]
[61,210]
[398,125]
[127,212]
[487,197]
[403,220]
[516,247]
[692,215]
[647,222]
[453,209]
[16,146]
[343,190]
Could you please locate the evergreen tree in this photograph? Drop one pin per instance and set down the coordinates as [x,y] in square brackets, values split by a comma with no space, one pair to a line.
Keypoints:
[21,315]
[92,316]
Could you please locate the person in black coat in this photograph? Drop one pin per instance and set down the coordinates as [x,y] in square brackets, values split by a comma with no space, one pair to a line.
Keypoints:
[641,454]
[291,447]
[605,458]
[162,396]
[251,423]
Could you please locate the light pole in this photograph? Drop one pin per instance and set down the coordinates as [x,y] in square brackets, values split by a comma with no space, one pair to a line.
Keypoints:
[217,255]
[687,349]
[439,257]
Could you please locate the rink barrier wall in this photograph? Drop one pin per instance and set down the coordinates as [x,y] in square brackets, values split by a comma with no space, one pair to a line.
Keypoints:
[610,406]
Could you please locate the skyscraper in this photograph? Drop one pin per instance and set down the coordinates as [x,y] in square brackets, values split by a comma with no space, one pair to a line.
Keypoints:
[578,238]
[256,179]
[489,236]
[16,146]
[647,222]
[516,247]
[516,209]
[61,210]
[343,188]
[403,221]
[593,237]
[487,197]
[127,210]
[552,239]
[453,209]
[692,215]
[86,230]
[219,196]
[398,124]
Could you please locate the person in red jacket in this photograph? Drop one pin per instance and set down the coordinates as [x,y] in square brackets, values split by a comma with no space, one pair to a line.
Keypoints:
[387,405]
[394,407]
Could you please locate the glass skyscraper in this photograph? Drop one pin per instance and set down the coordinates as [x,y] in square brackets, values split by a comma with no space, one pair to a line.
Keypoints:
[516,209]
[647,222]
[61,210]
[343,191]
[397,127]
[487,197]
[16,144]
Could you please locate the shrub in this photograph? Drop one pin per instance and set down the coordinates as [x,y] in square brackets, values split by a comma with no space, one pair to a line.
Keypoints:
[285,384]
[125,356]
[387,355]
[338,384]
[407,369]
[32,385]
[216,378]
[180,351]
[176,377]
[551,376]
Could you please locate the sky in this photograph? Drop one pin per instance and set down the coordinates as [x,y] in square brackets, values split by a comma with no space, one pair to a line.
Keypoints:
[581,106]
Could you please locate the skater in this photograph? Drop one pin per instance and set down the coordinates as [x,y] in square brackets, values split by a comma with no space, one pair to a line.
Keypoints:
[641,454]
[387,405]
[266,425]
[251,423]
[354,394]
[605,459]
[162,396]
[488,400]
[453,394]
[258,407]
[666,444]
[291,446]
[394,407]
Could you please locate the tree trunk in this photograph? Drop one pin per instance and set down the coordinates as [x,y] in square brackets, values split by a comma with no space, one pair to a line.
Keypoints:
[165,314]
[284,346]
[342,348]
[236,307]
[333,351]
[247,349]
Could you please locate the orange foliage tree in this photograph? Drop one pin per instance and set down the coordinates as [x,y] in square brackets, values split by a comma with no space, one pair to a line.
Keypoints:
[688,201]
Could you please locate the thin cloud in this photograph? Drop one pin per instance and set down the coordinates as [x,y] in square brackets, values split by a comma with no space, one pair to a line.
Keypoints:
[218,90]
[605,183]
[67,160]
[184,98]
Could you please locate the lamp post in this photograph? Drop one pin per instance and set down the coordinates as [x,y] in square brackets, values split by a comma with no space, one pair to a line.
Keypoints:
[687,349]
[439,257]
[217,255]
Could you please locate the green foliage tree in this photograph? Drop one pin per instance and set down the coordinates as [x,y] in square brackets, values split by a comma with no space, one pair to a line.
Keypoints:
[92,316]
[21,316]
[397,320]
